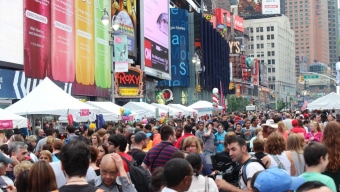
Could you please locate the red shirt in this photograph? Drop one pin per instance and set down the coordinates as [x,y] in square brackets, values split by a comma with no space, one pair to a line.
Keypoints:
[128,157]
[178,142]
[299,130]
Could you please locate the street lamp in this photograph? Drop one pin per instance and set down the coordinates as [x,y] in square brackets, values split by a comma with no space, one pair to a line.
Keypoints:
[105,17]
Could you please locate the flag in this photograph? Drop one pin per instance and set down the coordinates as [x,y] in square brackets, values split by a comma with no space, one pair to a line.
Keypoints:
[222,99]
[304,106]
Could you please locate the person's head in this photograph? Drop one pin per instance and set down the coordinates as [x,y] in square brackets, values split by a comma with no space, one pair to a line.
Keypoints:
[32,139]
[50,140]
[225,143]
[101,132]
[179,154]
[254,121]
[110,125]
[196,163]
[22,166]
[258,145]
[41,132]
[58,144]
[178,180]
[237,148]
[179,131]
[275,179]
[102,150]
[70,129]
[277,118]
[94,154]
[187,128]
[141,138]
[157,179]
[108,170]
[316,154]
[275,144]
[247,124]
[117,143]
[75,158]
[46,156]
[269,126]
[201,125]
[147,128]
[313,186]
[21,182]
[220,128]
[330,117]
[315,127]
[95,139]
[120,130]
[224,117]
[18,149]
[168,134]
[332,141]
[238,126]
[281,126]
[258,132]
[46,181]
[192,145]
[294,143]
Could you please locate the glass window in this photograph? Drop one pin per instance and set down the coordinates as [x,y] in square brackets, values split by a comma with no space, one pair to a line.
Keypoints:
[272,36]
[269,62]
[273,61]
[273,53]
[273,45]
[268,28]
[273,70]
[269,70]
[268,37]
[261,29]
[272,28]
[268,53]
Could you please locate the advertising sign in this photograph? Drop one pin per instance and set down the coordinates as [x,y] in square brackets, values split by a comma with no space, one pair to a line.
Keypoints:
[11,34]
[121,53]
[6,124]
[129,84]
[255,72]
[249,7]
[180,49]
[224,17]
[155,22]
[270,6]
[125,12]
[263,75]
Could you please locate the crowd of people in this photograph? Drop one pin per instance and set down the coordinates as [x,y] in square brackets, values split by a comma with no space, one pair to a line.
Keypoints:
[259,152]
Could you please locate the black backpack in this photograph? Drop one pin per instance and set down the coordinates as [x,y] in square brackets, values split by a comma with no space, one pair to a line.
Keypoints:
[139,176]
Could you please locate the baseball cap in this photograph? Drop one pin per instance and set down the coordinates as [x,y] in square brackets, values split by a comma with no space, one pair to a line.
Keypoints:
[278,180]
[141,135]
[270,123]
[5,159]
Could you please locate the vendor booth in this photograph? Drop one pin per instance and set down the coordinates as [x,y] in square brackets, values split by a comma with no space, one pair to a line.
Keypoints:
[142,109]
[9,120]
[185,110]
[205,107]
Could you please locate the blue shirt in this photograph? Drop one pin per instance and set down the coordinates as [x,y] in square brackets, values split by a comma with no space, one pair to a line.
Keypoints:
[219,141]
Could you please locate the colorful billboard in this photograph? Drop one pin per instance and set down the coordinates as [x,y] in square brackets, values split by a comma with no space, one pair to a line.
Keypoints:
[263,75]
[125,13]
[224,17]
[249,7]
[129,84]
[179,49]
[155,38]
[11,34]
[270,6]
[66,41]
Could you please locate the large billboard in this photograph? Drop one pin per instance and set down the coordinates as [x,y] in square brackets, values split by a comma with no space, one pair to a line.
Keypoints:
[263,75]
[270,6]
[258,7]
[66,41]
[11,34]
[224,17]
[179,49]
[155,38]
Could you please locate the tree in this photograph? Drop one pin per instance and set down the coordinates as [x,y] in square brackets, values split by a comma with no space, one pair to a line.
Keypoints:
[280,104]
[236,103]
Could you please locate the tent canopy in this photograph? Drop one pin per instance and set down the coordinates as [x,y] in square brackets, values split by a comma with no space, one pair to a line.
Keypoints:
[172,111]
[109,110]
[205,107]
[330,101]
[143,109]
[185,110]
[48,98]
[9,120]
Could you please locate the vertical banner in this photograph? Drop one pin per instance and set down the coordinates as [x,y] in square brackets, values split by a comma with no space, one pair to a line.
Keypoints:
[238,90]
[121,53]
[101,45]
[256,72]
[62,29]
[84,42]
[37,26]
[222,99]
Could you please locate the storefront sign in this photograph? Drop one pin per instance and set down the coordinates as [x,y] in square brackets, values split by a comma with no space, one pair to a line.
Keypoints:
[6,124]
[129,84]
[264,89]
[167,95]
[224,17]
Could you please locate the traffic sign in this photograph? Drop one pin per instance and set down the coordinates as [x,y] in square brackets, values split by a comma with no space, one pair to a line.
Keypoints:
[311,76]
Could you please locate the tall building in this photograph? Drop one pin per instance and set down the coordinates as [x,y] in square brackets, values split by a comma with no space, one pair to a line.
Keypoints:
[307,19]
[271,40]
[339,23]
[333,31]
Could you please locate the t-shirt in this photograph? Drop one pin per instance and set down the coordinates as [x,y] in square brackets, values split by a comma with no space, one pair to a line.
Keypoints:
[299,130]
[128,157]
[138,155]
[78,188]
[252,168]
[178,142]
[251,133]
[315,176]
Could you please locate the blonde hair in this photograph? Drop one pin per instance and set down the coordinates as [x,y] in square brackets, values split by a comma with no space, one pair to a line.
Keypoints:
[294,144]
[47,153]
[101,132]
[32,138]
[50,140]
[318,128]
[282,125]
[192,139]
[21,167]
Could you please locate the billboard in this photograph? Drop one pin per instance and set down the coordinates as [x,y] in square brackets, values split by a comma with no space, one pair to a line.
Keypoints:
[66,41]
[249,7]
[270,6]
[129,84]
[255,72]
[155,38]
[126,14]
[224,17]
[11,34]
[263,75]
[179,49]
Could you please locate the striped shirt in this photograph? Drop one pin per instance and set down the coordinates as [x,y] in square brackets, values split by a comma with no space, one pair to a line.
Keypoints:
[157,157]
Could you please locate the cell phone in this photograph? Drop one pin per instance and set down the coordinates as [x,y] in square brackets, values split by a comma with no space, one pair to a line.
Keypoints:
[219,177]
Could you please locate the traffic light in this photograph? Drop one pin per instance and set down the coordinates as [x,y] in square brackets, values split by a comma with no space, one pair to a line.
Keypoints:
[301,78]
[198,88]
[231,86]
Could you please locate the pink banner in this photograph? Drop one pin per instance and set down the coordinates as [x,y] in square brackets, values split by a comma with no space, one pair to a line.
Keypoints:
[6,124]
[84,112]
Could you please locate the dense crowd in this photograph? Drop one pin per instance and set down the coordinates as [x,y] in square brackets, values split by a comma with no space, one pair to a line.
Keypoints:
[259,152]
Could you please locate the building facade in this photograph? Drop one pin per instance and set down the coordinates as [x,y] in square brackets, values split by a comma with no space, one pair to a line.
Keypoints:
[272,42]
[333,31]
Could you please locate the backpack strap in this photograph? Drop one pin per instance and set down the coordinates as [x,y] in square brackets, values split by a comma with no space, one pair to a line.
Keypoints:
[158,155]
[250,160]
[278,162]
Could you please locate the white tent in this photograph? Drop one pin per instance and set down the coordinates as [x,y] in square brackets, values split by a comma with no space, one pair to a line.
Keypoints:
[172,111]
[185,110]
[142,109]
[109,110]
[9,120]
[330,101]
[204,107]
[48,99]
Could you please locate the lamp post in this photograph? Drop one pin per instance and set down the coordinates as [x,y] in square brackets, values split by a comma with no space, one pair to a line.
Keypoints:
[198,69]
[115,26]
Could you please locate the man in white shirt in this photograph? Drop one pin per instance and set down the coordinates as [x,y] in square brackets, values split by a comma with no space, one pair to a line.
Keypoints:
[288,121]
[175,180]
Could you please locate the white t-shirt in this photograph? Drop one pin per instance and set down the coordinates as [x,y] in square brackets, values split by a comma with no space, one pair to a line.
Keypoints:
[198,184]
[252,168]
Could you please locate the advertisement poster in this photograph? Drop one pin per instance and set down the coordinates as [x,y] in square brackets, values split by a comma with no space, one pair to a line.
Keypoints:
[129,84]
[101,45]
[62,28]
[249,7]
[84,42]
[125,12]
[156,38]
[270,6]
[263,75]
[37,26]
[121,53]
[224,17]
[11,34]
[255,72]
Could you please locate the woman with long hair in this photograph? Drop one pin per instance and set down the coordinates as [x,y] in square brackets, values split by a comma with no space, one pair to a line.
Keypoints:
[94,156]
[102,151]
[21,182]
[332,141]
[199,182]
[95,140]
[282,129]
[295,146]
[41,178]
[278,156]
[315,133]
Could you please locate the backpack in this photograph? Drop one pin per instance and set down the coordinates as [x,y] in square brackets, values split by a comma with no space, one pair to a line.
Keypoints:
[139,176]
[250,160]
